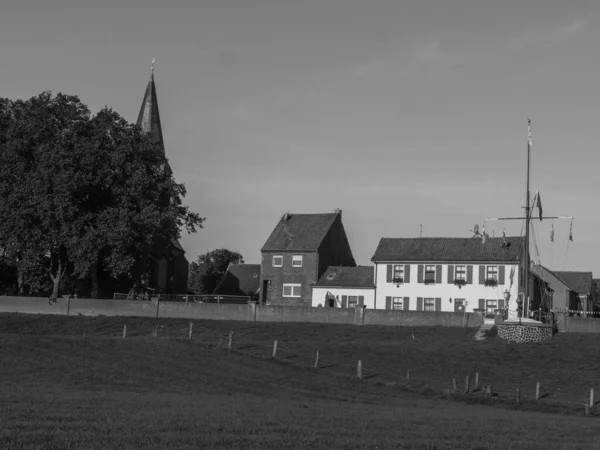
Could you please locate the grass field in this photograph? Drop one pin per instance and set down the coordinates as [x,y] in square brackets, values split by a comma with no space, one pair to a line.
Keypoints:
[59,389]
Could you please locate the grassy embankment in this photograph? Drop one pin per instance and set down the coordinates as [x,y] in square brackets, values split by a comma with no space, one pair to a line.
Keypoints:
[59,389]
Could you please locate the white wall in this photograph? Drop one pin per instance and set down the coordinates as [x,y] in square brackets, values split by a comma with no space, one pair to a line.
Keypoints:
[318,295]
[447,291]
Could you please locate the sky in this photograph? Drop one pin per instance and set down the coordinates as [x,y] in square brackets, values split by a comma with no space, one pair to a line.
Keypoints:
[406,115]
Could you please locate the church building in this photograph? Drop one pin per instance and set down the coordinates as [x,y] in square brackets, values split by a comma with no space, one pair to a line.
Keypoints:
[170,266]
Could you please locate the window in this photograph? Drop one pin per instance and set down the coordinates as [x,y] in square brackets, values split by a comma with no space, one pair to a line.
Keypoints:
[491,276]
[460,273]
[490,306]
[352,301]
[297,261]
[429,304]
[331,276]
[491,273]
[291,290]
[277,260]
[397,303]
[398,274]
[429,274]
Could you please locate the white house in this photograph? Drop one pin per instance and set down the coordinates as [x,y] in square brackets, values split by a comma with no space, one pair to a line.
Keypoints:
[448,274]
[345,287]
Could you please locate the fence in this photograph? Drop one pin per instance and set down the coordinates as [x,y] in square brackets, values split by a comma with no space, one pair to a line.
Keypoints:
[229,299]
[471,387]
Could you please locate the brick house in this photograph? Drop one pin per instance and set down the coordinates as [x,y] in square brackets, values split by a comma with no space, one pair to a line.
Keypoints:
[583,284]
[297,253]
[448,274]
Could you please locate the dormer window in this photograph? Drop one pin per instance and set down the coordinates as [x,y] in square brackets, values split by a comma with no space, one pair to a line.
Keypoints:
[277,261]
[331,276]
[297,261]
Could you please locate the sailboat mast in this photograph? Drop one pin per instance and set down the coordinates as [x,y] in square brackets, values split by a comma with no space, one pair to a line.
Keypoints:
[527,220]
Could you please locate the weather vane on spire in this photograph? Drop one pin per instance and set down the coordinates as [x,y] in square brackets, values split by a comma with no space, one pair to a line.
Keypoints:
[152,66]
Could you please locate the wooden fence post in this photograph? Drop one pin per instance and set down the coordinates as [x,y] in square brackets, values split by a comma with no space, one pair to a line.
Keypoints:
[467,387]
[489,391]
[317,360]
[155,331]
[191,330]
[587,408]
[274,348]
[591,397]
[537,390]
[453,384]
[476,381]
[230,343]
[518,396]
[124,331]
[408,374]
[413,333]
[359,370]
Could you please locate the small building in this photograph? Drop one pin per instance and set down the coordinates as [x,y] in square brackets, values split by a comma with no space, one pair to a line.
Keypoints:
[345,287]
[298,251]
[240,280]
[582,283]
[449,274]
[565,297]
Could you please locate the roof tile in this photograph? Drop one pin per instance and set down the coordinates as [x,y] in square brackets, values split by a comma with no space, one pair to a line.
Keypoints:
[299,232]
[448,249]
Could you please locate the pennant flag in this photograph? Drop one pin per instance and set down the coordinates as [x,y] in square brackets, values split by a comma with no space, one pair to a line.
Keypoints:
[552,234]
[539,204]
[571,231]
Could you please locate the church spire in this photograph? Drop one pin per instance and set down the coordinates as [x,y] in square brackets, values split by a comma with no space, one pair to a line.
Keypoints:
[149,118]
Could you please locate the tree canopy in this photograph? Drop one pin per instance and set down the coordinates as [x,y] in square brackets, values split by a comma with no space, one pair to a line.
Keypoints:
[78,191]
[209,269]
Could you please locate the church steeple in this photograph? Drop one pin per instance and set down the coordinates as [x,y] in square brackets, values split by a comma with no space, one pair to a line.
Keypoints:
[149,117]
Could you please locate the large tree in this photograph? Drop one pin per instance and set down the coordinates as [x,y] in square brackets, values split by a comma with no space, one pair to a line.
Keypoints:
[209,269]
[78,192]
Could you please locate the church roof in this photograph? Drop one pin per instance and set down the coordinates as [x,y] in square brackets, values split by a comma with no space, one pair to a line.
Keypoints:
[149,117]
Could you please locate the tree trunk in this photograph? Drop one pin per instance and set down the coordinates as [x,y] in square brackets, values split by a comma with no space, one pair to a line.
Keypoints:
[56,279]
[20,281]
[94,275]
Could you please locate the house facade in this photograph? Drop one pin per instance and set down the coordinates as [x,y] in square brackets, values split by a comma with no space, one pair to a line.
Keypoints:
[299,250]
[448,274]
[345,287]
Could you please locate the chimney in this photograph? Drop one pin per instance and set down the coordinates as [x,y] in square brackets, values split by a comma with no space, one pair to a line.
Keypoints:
[338,211]
[483,236]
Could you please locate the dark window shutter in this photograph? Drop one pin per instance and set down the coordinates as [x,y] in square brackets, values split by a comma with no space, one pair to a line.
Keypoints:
[438,273]
[388,303]
[361,300]
[419,303]
[482,303]
[420,274]
[438,304]
[405,306]
[469,274]
[501,274]
[450,274]
[389,273]
[344,301]
[407,273]
[501,304]
[481,274]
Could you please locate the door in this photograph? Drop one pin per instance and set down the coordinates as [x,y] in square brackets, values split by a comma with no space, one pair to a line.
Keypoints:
[459,305]
[266,287]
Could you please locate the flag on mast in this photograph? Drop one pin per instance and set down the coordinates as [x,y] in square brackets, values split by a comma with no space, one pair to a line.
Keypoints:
[538,203]
[552,233]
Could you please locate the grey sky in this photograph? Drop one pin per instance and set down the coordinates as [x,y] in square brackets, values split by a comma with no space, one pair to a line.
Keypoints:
[400,113]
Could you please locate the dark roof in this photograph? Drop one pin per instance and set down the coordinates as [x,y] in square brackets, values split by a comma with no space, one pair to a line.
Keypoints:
[336,276]
[538,269]
[448,249]
[581,282]
[299,232]
[240,279]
